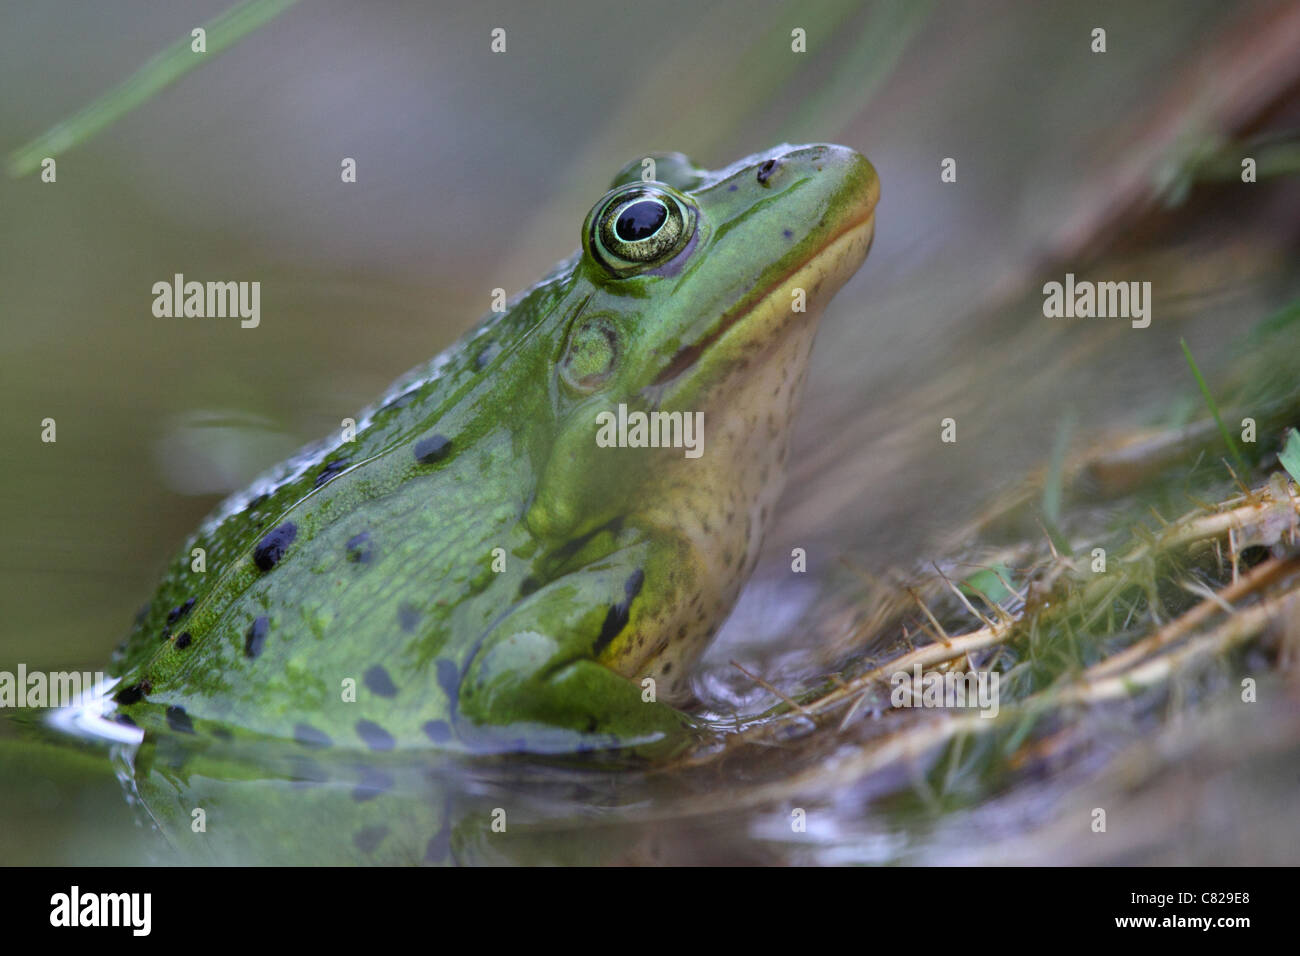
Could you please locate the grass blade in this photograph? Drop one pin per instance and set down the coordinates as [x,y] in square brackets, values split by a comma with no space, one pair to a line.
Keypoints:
[159,72]
[1214,410]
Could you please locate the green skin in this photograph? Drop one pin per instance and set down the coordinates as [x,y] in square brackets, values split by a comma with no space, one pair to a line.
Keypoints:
[616,565]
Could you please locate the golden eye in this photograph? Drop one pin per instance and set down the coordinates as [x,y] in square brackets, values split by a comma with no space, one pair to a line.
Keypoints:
[638,226]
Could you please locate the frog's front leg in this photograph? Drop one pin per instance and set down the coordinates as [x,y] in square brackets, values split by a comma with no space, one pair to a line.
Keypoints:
[535,683]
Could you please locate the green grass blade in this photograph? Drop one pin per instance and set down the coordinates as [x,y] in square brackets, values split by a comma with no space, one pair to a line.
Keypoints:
[1054,485]
[1214,410]
[159,72]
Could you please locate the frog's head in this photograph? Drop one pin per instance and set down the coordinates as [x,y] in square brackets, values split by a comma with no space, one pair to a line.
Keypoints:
[685,286]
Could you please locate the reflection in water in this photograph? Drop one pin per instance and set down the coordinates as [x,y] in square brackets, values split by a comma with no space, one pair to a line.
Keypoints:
[216,799]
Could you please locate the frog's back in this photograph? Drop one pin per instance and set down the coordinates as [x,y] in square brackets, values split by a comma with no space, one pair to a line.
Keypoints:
[353,561]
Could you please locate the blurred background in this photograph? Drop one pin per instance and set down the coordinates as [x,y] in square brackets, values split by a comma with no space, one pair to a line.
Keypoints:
[475,170]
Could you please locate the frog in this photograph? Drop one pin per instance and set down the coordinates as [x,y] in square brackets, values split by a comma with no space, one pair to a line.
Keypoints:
[481,562]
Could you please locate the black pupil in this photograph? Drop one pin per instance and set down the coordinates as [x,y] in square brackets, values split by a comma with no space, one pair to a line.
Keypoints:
[641,220]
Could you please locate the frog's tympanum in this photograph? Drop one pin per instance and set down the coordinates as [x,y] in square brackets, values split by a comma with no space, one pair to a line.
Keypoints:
[481,567]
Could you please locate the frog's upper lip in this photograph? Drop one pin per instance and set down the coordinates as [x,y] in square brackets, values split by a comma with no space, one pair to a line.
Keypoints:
[860,216]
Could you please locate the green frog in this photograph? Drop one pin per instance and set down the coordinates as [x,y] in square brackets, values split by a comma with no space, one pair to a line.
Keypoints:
[528,541]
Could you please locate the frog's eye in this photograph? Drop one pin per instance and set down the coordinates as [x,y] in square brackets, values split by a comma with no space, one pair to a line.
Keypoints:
[639,226]
[591,354]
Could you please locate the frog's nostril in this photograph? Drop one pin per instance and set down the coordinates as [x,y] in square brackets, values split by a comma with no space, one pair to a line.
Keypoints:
[765,171]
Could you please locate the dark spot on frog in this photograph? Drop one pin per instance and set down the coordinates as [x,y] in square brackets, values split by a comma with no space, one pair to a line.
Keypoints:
[331,469]
[178,720]
[255,638]
[528,585]
[484,357]
[221,733]
[359,548]
[271,549]
[308,736]
[373,782]
[183,640]
[306,772]
[379,682]
[439,731]
[765,171]
[616,617]
[439,845]
[367,839]
[433,449]
[125,720]
[179,611]
[134,693]
[449,680]
[401,401]
[732,188]
[408,616]
[173,753]
[787,233]
[374,736]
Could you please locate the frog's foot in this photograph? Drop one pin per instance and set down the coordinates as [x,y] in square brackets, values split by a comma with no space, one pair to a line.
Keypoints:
[535,684]
[580,706]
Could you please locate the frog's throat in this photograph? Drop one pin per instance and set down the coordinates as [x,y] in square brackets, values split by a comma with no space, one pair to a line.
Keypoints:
[722,503]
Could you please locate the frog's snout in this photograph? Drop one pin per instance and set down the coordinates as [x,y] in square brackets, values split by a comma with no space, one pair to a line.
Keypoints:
[835,184]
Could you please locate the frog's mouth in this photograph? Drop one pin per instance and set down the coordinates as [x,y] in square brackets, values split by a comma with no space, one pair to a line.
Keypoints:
[820,276]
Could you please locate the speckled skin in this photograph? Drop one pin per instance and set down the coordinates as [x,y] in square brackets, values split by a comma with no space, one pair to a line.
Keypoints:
[373,560]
